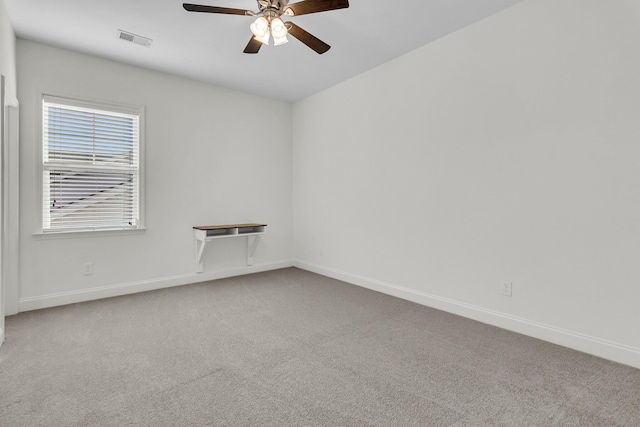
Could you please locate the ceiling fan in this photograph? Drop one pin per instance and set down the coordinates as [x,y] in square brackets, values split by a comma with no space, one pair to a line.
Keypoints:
[269,21]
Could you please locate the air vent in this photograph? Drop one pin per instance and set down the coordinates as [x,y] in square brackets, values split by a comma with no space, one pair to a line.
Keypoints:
[134,38]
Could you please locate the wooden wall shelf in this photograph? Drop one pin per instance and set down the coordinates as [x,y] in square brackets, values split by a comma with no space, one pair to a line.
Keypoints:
[207,233]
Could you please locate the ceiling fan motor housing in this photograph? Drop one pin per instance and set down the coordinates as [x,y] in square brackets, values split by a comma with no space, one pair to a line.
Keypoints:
[278,4]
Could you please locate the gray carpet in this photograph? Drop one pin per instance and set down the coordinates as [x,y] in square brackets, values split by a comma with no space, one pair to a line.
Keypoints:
[291,348]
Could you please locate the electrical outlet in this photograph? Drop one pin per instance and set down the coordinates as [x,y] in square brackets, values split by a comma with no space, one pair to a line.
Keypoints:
[87,268]
[506,289]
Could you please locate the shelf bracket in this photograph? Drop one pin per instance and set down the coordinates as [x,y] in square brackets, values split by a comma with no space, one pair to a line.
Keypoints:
[251,247]
[199,251]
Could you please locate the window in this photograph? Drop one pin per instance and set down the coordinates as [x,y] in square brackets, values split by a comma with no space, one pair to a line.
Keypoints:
[91,175]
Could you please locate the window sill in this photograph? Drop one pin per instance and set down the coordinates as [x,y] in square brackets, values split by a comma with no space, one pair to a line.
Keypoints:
[86,233]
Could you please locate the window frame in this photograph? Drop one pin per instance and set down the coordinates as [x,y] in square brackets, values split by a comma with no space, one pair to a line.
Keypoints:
[83,102]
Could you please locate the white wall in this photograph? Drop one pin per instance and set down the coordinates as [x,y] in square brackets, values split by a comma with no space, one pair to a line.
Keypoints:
[506,152]
[208,161]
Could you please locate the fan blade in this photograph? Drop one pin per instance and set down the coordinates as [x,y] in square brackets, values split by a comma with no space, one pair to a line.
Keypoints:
[214,9]
[307,38]
[313,6]
[253,46]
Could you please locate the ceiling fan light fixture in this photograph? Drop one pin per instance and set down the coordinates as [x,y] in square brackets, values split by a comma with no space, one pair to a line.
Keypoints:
[278,30]
[260,28]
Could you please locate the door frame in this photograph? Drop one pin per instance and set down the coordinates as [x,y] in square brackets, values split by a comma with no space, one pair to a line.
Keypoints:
[9,206]
[3,203]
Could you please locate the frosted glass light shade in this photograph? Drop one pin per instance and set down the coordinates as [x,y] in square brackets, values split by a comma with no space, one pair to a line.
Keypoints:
[260,29]
[278,29]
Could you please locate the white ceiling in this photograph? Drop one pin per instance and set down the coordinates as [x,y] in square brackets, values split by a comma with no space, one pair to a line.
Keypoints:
[208,47]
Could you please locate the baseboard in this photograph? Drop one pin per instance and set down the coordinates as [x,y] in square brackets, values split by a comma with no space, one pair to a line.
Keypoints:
[584,343]
[82,295]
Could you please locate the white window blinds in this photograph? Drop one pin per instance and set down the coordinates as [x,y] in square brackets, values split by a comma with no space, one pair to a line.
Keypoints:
[91,174]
